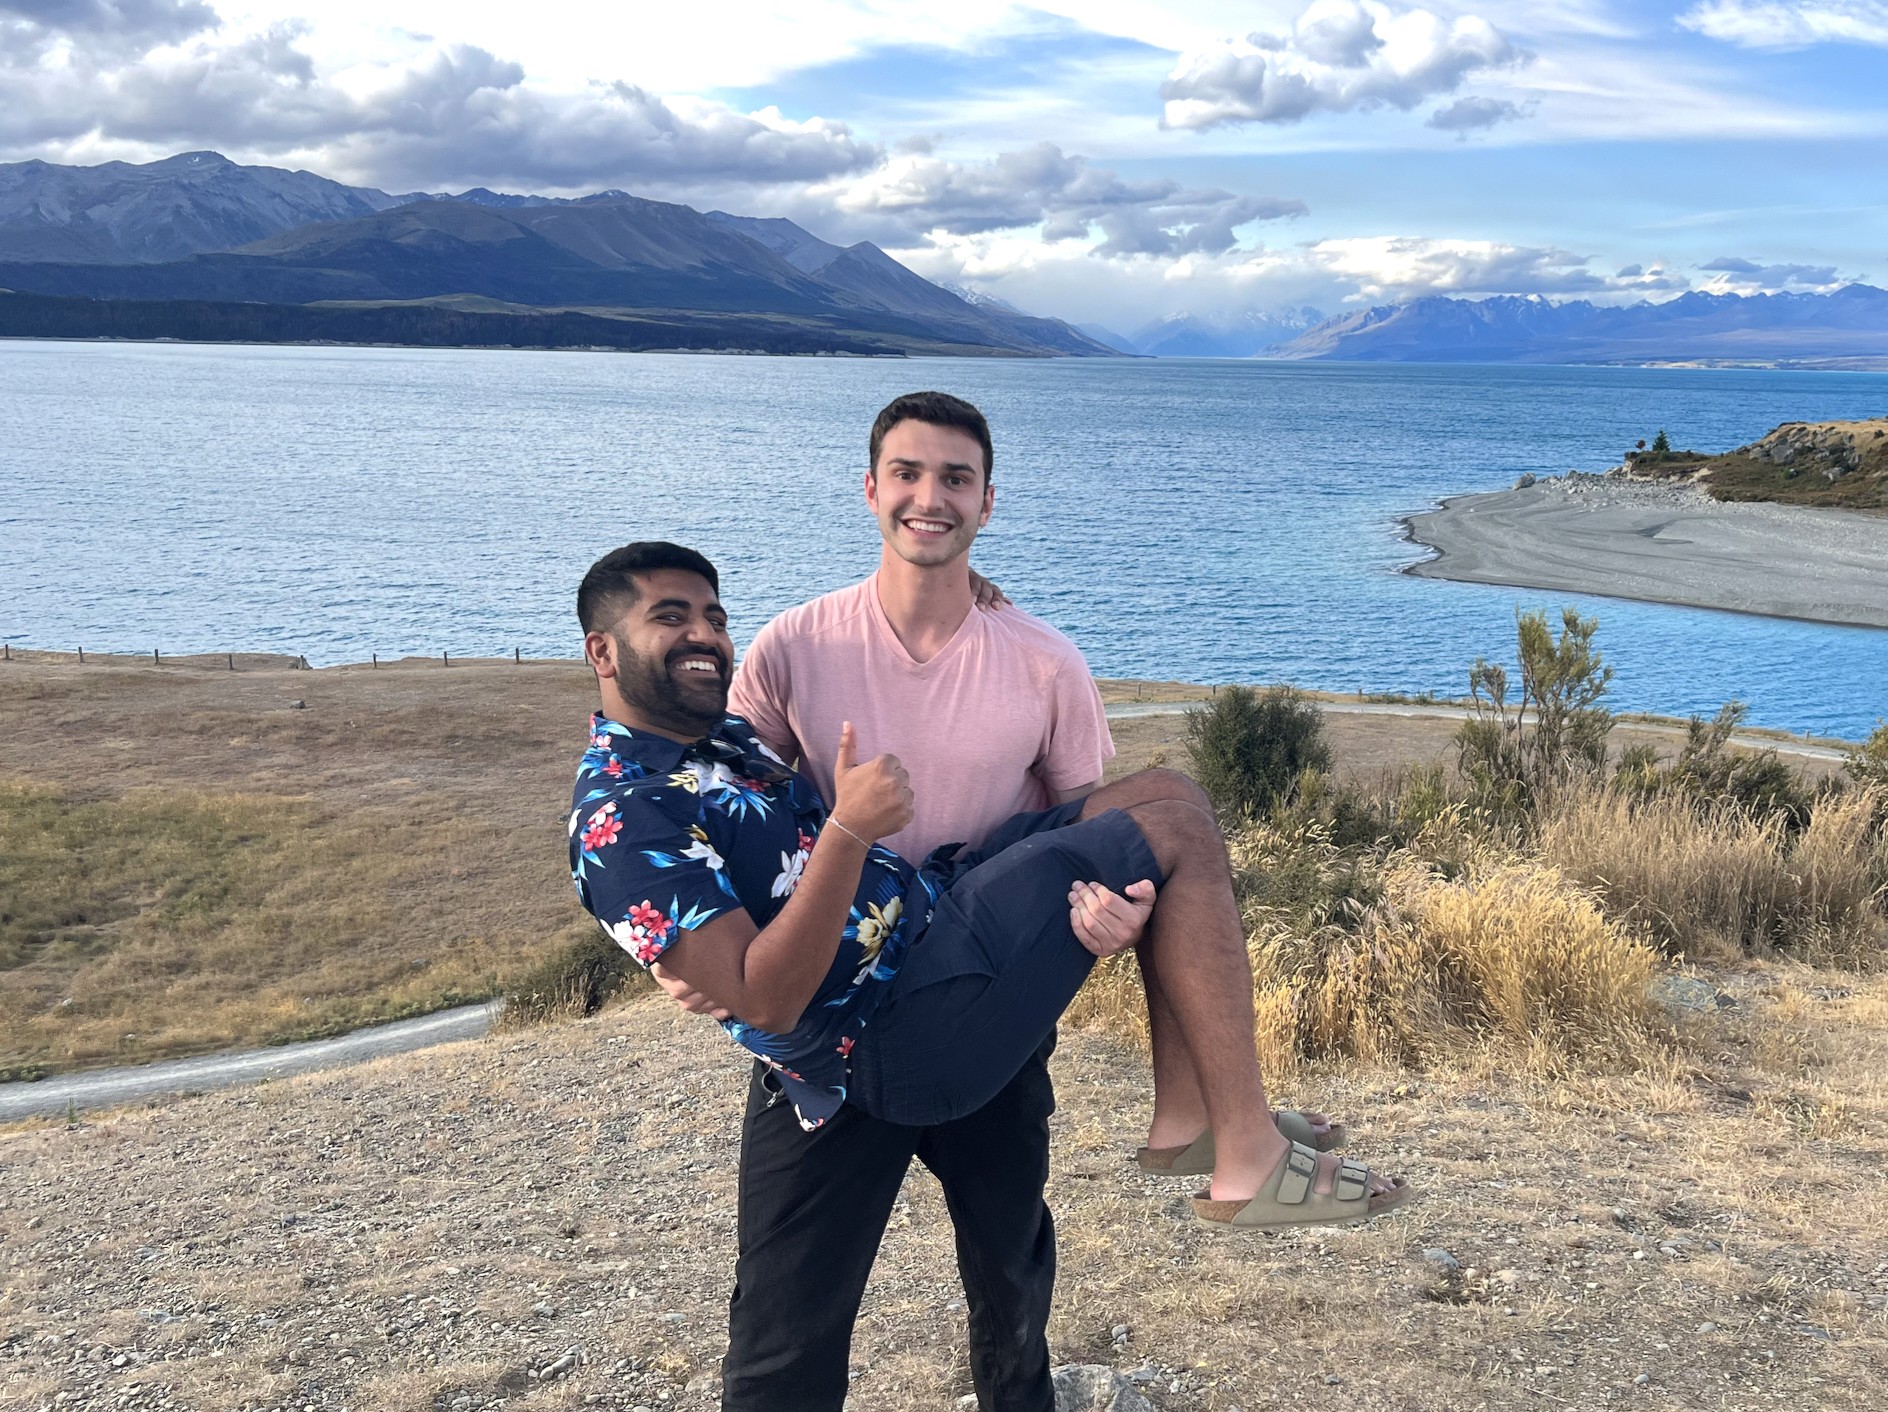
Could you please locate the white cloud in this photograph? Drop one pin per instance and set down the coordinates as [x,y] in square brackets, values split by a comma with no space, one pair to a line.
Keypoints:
[453,115]
[1070,283]
[915,193]
[135,24]
[1778,24]
[1732,275]
[1341,56]
[1467,115]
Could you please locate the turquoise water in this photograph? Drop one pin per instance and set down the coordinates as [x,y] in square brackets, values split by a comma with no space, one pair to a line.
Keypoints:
[1209,521]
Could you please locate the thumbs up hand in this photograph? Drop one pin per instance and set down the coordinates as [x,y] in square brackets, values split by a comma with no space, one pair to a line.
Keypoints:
[873,799]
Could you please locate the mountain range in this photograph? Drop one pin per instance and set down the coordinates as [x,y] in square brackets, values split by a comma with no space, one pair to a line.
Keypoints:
[1847,325]
[198,246]
[200,230]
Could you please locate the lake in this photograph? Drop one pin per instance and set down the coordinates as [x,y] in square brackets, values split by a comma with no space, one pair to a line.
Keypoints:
[1206,521]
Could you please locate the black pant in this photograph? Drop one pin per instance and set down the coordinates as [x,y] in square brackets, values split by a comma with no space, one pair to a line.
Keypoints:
[813,1208]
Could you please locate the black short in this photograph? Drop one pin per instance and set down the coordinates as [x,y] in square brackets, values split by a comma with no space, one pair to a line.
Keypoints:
[987,980]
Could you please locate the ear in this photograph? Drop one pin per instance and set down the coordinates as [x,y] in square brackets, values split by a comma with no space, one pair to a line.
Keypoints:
[989,503]
[871,491]
[599,650]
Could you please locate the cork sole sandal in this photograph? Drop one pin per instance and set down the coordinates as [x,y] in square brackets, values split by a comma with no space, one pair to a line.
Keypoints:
[1196,1158]
[1287,1198]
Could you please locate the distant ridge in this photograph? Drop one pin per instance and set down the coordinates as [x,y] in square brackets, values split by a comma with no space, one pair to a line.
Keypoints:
[1849,324]
[200,228]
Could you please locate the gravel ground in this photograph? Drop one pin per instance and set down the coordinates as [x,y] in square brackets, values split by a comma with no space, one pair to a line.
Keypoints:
[545,1219]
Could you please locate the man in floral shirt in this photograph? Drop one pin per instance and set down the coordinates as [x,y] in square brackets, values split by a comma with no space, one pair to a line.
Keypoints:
[666,837]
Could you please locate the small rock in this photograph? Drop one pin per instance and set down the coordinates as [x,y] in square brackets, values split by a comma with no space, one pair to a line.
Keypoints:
[1089,1387]
[1441,1259]
[1687,995]
[1642,1380]
[711,1384]
[1119,1333]
[1332,1380]
[1524,480]
[1144,1374]
[543,1311]
[1707,1327]
[967,1403]
[298,705]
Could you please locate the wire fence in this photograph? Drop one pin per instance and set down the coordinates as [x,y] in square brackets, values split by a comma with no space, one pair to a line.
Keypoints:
[259,661]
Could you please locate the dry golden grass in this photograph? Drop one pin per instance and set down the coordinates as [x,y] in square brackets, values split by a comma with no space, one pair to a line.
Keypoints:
[1714,881]
[166,922]
[1500,954]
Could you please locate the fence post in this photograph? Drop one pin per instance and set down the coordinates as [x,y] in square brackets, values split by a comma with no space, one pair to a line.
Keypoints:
[376,661]
[81,656]
[515,657]
[445,659]
[155,662]
[230,657]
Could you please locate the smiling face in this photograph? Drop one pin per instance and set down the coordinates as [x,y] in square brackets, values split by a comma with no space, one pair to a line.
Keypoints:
[930,492]
[666,663]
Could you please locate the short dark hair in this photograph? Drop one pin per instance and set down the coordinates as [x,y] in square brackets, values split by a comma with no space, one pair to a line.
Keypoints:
[609,588]
[938,409]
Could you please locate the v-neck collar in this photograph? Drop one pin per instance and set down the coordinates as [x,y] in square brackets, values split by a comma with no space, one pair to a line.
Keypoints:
[882,622]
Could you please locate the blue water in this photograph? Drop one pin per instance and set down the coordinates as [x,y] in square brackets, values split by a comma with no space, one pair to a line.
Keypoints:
[1208,521]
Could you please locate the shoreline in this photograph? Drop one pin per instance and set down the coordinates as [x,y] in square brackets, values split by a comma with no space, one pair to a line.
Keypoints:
[1660,542]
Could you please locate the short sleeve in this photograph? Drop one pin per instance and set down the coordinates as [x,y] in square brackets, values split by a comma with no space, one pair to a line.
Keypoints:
[1079,742]
[645,868]
[759,694]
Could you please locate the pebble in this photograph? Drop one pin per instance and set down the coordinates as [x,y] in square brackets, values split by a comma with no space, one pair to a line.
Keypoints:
[1642,1380]
[1707,1327]
[1441,1259]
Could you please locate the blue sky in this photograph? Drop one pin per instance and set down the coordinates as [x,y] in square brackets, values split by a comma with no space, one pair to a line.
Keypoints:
[1114,161]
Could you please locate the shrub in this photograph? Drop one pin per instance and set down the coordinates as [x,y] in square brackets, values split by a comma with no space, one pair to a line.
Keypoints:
[1868,762]
[1512,755]
[578,980]
[1759,781]
[1661,444]
[1250,750]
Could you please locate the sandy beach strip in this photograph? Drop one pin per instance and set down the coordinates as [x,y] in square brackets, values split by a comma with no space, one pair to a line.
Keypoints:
[1663,543]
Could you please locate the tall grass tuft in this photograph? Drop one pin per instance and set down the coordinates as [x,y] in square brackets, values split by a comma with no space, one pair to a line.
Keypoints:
[578,980]
[1715,880]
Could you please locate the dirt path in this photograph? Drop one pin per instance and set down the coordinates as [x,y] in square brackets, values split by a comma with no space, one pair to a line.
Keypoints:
[107,1088]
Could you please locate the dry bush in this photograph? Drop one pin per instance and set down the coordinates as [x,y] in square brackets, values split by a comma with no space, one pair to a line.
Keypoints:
[1716,880]
[1388,959]
[1510,954]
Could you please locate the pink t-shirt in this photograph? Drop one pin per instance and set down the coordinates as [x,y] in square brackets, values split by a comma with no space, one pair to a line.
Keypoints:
[1005,713]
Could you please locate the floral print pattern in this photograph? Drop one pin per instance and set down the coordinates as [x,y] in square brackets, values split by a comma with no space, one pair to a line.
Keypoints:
[665,837]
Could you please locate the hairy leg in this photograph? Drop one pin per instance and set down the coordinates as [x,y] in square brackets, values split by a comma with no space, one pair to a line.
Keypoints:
[1200,985]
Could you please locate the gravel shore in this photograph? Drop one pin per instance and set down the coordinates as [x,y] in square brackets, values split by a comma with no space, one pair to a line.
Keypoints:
[1663,543]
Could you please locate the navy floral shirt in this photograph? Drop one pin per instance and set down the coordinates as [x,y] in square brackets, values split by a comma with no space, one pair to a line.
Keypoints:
[665,837]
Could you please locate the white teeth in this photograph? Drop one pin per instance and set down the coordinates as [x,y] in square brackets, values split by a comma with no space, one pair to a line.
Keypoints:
[928,526]
[699,666]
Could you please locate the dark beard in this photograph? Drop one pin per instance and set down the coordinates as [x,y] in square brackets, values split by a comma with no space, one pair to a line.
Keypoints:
[648,686]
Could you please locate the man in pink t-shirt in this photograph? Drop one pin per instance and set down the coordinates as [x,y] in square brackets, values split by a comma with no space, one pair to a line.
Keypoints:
[993,712]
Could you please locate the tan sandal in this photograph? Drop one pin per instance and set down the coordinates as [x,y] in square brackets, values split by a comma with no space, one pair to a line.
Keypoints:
[1287,1198]
[1196,1158]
